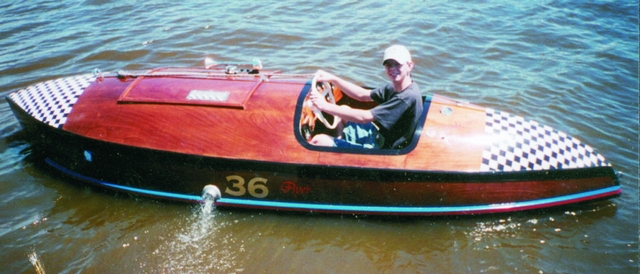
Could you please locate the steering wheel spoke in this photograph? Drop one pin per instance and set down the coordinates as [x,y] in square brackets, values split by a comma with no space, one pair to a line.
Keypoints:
[310,113]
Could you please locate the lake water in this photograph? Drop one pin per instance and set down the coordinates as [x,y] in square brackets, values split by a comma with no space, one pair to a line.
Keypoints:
[572,65]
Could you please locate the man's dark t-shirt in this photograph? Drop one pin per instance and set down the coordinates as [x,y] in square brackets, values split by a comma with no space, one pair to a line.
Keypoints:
[397,114]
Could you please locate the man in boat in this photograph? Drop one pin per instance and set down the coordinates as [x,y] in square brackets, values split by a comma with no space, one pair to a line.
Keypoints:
[392,123]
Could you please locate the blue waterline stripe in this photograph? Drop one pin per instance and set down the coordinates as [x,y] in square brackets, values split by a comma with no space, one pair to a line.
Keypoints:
[342,208]
[192,198]
[397,209]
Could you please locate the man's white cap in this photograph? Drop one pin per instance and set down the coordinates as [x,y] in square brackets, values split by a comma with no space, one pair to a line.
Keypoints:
[398,53]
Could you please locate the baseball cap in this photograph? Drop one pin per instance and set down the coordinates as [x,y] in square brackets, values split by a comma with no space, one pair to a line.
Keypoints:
[398,53]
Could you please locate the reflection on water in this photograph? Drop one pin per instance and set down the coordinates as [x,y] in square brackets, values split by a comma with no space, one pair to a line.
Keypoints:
[563,239]
[35,261]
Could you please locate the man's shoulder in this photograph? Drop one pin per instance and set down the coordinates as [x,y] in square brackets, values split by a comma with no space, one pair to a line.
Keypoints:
[382,93]
[412,92]
[386,88]
[414,88]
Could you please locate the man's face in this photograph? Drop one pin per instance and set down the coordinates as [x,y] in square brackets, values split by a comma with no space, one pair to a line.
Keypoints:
[397,72]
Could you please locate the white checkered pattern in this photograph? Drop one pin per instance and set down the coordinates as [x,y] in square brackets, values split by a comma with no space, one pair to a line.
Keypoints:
[519,144]
[52,101]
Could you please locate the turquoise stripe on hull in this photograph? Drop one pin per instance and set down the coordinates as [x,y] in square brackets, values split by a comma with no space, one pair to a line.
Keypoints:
[139,191]
[362,209]
[594,194]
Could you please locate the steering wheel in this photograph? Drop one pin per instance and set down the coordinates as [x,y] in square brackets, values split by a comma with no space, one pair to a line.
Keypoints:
[310,113]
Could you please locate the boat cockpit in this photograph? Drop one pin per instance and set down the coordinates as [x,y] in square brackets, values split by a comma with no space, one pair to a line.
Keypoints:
[311,122]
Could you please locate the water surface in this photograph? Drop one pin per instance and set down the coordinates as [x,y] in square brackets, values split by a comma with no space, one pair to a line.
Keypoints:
[567,64]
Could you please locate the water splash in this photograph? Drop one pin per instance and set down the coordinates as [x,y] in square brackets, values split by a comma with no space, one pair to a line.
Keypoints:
[203,243]
[208,206]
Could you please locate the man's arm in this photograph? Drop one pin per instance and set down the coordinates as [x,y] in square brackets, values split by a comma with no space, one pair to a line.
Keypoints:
[342,111]
[352,90]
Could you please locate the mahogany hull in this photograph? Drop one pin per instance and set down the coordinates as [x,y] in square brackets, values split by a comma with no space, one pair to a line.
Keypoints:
[166,148]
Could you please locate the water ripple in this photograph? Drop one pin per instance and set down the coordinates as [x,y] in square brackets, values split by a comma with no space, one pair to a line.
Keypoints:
[570,65]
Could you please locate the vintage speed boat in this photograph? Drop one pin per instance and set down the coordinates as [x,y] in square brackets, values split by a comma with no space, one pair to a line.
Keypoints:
[239,135]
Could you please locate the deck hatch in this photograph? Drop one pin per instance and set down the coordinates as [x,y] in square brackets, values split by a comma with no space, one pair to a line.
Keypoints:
[226,92]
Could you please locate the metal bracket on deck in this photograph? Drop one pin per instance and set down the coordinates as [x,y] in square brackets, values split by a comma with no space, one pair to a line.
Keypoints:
[232,67]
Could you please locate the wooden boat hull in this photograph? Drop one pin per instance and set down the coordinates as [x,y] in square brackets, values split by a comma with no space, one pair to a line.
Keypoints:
[115,136]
